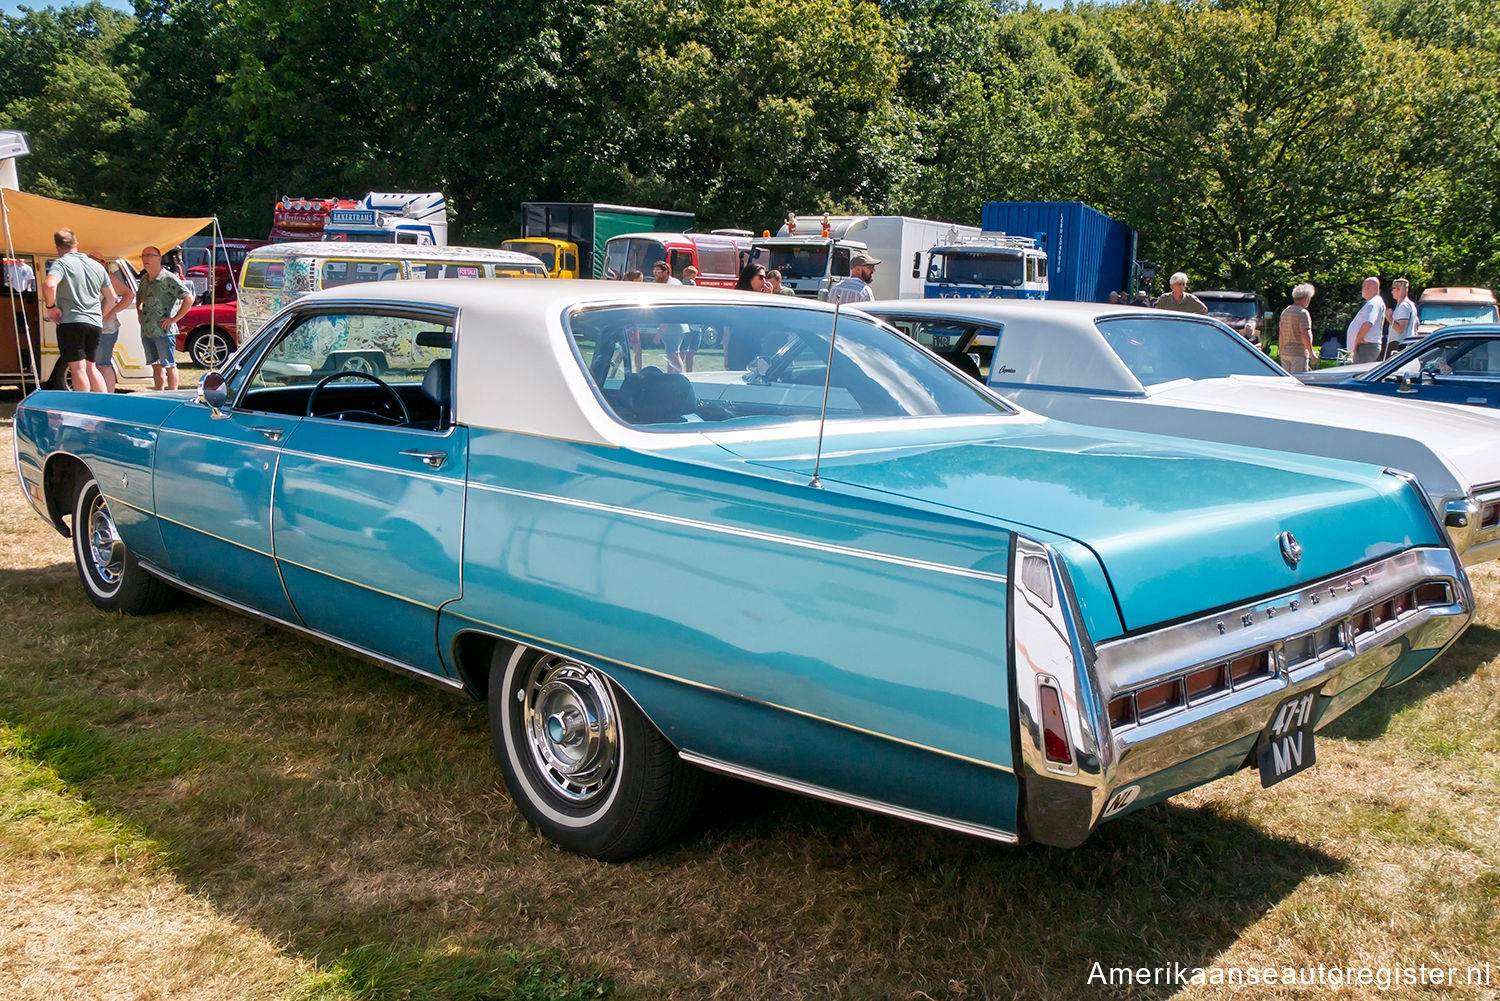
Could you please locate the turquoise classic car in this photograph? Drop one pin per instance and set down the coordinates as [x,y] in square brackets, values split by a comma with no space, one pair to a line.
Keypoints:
[847,571]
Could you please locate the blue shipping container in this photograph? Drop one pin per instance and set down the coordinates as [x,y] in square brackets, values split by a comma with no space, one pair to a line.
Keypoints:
[1088,253]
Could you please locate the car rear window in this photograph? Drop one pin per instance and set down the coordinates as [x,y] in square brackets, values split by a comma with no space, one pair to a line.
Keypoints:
[1164,349]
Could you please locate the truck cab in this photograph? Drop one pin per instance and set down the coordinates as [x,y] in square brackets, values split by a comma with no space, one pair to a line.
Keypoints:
[987,266]
[560,256]
[717,256]
[391,217]
[813,252]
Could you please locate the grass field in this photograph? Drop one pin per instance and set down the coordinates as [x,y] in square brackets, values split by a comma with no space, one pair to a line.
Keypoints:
[193,805]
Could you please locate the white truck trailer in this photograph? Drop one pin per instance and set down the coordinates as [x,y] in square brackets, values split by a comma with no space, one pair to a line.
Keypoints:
[812,252]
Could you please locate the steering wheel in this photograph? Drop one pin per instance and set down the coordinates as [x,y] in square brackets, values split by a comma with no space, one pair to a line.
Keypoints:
[400,403]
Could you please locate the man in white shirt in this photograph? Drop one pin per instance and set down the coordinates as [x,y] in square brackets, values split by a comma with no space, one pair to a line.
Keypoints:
[856,288]
[1363,334]
[1404,319]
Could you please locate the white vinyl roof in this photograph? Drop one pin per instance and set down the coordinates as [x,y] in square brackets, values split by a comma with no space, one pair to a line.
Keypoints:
[515,365]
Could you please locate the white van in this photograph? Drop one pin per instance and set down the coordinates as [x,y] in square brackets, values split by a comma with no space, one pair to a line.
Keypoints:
[131,368]
[276,275]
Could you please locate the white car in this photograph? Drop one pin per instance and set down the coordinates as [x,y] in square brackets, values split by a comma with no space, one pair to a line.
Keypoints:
[1173,373]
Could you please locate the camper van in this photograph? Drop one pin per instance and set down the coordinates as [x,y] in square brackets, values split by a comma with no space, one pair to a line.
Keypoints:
[277,274]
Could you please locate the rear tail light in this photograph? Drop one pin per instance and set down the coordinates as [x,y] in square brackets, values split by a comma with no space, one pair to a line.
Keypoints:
[1362,623]
[1121,711]
[1251,665]
[1491,516]
[1433,593]
[1402,603]
[1158,698]
[1055,743]
[1206,681]
[1384,612]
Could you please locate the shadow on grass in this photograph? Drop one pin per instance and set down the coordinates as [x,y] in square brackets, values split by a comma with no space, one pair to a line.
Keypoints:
[1371,718]
[356,816]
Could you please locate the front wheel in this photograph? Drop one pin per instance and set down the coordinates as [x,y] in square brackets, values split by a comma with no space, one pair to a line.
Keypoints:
[209,347]
[111,577]
[582,763]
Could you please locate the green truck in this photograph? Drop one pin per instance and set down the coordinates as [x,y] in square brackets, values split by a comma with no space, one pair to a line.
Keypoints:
[591,224]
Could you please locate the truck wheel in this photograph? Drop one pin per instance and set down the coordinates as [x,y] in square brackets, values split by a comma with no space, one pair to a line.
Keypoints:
[209,346]
[111,577]
[582,763]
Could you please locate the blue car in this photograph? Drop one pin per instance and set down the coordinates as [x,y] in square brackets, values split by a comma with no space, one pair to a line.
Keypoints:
[846,571]
[1453,365]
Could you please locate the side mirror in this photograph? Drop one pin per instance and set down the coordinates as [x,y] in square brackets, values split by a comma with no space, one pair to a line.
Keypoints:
[213,391]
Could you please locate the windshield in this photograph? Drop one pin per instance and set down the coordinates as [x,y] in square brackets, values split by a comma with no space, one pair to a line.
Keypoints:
[544,252]
[876,373]
[1243,309]
[1158,350]
[988,267]
[1450,314]
[795,263]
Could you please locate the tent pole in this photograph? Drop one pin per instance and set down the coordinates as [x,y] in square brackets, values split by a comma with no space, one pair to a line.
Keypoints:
[24,327]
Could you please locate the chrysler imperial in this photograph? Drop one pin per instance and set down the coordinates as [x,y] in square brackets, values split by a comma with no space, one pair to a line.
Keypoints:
[647,574]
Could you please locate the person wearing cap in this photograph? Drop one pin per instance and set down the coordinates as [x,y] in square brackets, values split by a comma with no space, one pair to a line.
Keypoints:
[856,288]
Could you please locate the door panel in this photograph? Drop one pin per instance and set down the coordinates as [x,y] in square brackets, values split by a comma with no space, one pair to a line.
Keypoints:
[213,483]
[368,533]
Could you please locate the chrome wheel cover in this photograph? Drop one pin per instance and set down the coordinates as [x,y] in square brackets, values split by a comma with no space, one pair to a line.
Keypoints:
[106,552]
[571,722]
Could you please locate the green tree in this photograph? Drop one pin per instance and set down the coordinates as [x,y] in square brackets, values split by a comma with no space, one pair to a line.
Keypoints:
[68,79]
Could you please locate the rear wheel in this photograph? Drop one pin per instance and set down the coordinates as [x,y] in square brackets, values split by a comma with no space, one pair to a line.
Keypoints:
[209,346]
[583,764]
[111,577]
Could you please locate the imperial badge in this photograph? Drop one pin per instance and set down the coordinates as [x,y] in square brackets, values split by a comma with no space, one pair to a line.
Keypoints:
[1291,549]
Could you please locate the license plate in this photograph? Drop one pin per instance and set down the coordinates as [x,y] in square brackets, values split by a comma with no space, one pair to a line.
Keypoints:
[1286,744]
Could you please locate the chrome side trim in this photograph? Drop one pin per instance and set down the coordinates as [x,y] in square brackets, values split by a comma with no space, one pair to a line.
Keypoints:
[845,799]
[359,584]
[745,533]
[200,531]
[596,659]
[451,684]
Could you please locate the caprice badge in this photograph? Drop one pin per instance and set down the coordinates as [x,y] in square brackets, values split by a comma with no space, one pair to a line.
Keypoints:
[1291,549]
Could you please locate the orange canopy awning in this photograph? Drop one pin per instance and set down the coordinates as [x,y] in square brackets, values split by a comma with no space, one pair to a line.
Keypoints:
[33,219]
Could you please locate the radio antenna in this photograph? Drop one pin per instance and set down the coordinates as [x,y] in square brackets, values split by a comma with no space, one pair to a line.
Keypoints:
[815,482]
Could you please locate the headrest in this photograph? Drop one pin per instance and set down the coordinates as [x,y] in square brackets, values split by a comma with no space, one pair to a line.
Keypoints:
[657,397]
[437,384]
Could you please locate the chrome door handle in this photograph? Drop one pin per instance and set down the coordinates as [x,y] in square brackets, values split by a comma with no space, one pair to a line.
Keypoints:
[433,459]
[274,434]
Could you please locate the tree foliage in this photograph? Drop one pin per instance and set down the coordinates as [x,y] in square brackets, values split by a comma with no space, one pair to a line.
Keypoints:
[1252,143]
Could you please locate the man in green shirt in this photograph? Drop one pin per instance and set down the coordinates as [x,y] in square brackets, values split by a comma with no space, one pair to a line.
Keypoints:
[80,294]
[163,300]
[1180,299]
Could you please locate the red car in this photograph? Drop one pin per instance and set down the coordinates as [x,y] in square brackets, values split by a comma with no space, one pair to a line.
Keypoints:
[206,333]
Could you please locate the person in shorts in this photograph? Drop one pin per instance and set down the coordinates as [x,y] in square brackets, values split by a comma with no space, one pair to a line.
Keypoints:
[163,300]
[81,294]
[109,333]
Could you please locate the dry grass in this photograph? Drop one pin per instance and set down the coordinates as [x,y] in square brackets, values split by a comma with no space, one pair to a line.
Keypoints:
[193,805]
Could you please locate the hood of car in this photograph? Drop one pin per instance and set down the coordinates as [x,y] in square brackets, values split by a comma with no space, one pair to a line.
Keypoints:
[1465,439]
[1178,527]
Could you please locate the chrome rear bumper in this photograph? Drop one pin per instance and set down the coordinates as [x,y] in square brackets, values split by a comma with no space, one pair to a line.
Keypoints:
[1194,695]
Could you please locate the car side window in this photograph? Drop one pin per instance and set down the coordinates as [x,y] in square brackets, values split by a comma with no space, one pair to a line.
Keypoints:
[356,362]
[335,273]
